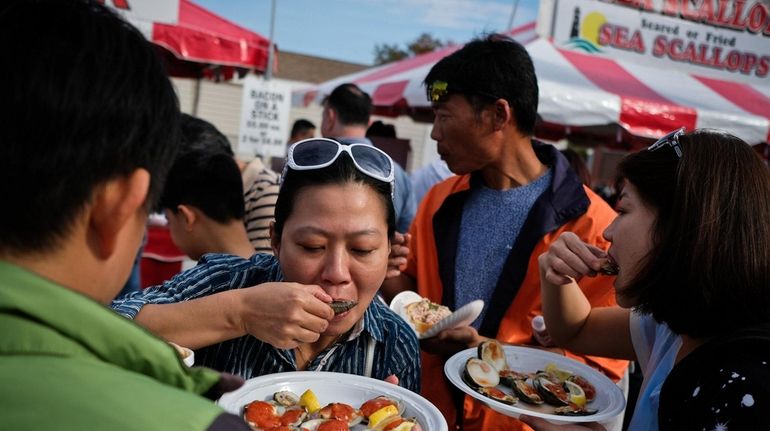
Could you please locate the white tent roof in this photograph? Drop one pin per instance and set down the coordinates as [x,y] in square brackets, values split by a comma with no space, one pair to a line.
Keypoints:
[578,90]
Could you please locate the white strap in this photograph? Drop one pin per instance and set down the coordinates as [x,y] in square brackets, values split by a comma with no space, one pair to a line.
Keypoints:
[369,357]
[325,359]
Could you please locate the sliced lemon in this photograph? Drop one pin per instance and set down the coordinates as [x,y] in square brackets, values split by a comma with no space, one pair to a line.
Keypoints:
[562,375]
[576,393]
[382,414]
[309,401]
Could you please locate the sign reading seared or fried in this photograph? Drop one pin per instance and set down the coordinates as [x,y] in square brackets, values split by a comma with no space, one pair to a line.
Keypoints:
[725,39]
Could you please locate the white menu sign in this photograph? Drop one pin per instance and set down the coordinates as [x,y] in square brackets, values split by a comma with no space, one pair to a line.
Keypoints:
[264,117]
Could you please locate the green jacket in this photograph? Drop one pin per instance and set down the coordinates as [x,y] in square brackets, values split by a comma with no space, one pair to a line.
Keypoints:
[70,363]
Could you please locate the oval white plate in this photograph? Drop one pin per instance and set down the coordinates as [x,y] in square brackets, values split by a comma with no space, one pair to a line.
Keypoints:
[187,355]
[609,399]
[463,316]
[334,387]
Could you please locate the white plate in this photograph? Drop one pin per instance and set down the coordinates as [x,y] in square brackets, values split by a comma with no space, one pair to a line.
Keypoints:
[609,399]
[464,316]
[334,387]
[187,355]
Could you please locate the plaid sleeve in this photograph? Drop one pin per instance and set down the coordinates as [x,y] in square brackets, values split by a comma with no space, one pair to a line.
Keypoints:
[214,273]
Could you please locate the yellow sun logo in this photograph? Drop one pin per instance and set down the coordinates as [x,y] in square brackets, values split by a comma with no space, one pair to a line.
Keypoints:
[589,29]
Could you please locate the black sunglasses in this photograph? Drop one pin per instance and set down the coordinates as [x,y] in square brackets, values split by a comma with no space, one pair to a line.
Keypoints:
[671,140]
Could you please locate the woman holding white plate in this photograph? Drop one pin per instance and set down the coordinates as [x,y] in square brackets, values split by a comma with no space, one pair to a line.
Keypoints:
[691,250]
[334,222]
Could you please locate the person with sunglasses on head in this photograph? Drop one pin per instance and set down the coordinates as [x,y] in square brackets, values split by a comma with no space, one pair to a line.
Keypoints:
[690,250]
[334,221]
[345,118]
[477,235]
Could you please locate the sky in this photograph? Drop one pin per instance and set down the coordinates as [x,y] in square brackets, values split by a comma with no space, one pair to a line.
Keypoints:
[348,30]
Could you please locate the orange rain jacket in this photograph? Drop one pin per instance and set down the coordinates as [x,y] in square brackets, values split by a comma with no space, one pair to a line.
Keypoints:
[566,205]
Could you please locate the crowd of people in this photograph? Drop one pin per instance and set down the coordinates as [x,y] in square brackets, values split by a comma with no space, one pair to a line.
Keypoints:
[672,277]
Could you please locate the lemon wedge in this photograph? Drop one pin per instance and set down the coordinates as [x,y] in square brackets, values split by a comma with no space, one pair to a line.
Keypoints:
[381,414]
[309,401]
[576,393]
[562,375]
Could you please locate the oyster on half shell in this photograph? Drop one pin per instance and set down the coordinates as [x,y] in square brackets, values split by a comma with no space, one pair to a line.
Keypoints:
[341,306]
[609,267]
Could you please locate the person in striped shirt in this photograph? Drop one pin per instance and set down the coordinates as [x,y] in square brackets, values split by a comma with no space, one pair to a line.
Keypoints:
[334,221]
[260,187]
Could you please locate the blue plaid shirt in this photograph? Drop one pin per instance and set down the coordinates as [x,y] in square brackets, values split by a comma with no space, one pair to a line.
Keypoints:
[396,349]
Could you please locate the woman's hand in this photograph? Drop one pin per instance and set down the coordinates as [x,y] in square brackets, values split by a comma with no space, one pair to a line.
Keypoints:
[539,424]
[568,259]
[227,383]
[284,314]
[392,379]
[399,250]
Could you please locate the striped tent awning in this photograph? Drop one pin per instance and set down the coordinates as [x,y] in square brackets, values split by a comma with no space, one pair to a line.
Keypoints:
[582,90]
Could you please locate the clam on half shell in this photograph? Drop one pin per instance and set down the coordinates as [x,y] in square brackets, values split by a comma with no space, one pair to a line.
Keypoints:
[480,374]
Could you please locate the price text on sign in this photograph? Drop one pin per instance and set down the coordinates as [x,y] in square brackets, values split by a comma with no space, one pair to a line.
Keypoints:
[264,117]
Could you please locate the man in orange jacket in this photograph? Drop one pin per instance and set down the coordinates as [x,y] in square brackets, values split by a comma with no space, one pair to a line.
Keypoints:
[478,235]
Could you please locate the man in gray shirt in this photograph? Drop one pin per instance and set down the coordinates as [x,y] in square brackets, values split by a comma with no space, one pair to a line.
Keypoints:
[345,118]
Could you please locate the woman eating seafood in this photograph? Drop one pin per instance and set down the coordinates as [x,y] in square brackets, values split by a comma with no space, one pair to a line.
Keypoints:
[690,250]
[334,221]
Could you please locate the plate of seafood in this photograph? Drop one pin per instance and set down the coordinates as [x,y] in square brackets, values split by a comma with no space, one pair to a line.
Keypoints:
[429,318]
[327,401]
[515,380]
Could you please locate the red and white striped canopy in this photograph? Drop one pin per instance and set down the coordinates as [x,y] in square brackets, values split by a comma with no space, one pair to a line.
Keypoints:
[581,90]
[195,41]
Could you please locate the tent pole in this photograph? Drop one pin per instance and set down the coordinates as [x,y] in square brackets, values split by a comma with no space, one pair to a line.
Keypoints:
[513,14]
[196,96]
[269,71]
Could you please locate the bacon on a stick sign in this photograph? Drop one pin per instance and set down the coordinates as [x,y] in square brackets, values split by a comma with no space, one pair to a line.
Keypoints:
[728,39]
[264,117]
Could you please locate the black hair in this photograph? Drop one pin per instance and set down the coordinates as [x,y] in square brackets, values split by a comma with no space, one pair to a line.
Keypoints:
[380,129]
[301,126]
[199,134]
[493,66]
[85,99]
[342,171]
[353,105]
[708,271]
[209,181]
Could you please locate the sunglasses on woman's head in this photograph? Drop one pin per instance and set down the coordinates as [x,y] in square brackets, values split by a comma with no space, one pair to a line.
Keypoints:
[318,153]
[671,140]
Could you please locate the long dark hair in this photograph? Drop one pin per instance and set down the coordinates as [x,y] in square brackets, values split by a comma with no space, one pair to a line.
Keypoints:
[342,171]
[708,271]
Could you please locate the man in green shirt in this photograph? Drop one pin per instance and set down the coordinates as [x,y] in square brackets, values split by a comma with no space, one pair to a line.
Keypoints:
[90,129]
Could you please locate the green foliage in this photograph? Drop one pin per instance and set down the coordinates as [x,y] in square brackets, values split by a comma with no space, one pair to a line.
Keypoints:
[386,53]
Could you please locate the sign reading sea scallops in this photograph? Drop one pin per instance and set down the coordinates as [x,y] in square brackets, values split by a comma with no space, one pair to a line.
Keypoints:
[712,38]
